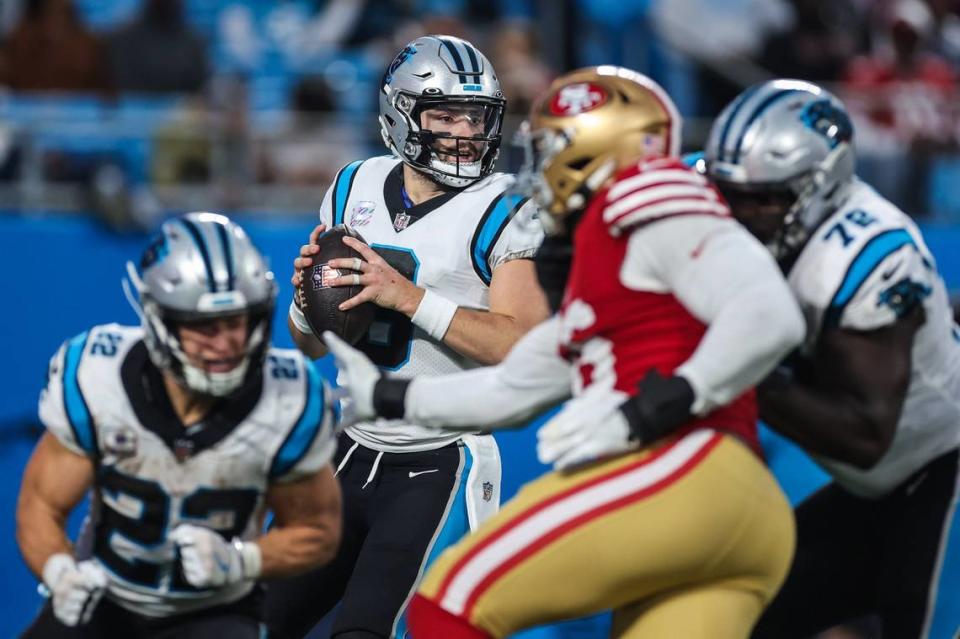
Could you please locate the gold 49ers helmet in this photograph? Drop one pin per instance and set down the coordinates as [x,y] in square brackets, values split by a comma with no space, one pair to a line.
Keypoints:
[588,124]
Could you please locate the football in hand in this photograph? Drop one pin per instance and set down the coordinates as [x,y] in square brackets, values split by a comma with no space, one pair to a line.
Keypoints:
[320,302]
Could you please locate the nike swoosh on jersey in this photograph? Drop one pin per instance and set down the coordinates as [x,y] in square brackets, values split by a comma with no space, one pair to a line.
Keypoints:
[890,271]
[412,474]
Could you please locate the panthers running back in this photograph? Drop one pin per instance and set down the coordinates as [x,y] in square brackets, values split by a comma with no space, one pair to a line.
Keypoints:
[188,429]
[874,393]
[447,263]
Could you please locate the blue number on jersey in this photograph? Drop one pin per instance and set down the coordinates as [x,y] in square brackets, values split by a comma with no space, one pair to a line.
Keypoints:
[857,217]
[283,367]
[105,344]
[149,529]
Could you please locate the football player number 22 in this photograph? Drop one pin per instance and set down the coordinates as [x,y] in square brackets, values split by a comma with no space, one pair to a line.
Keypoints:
[390,337]
[136,516]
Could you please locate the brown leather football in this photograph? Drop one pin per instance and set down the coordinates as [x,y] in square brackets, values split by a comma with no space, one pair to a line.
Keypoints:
[320,302]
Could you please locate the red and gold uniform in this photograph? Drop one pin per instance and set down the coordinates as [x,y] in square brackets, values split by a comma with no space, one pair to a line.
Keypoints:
[690,537]
[687,535]
[615,331]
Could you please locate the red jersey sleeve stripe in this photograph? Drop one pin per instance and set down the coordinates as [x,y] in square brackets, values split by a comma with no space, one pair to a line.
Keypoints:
[644,180]
[655,194]
[665,209]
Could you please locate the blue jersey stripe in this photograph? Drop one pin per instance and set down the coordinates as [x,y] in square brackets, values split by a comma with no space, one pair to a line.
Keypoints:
[494,221]
[78,414]
[871,255]
[453,529]
[227,254]
[766,104]
[945,607]
[734,110]
[301,437]
[341,190]
[194,232]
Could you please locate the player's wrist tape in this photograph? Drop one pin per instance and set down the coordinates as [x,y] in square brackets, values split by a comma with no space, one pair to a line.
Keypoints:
[250,558]
[659,407]
[55,566]
[434,314]
[389,397]
[299,319]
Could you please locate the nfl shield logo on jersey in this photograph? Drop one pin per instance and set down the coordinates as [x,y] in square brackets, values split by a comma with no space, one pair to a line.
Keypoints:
[182,449]
[401,221]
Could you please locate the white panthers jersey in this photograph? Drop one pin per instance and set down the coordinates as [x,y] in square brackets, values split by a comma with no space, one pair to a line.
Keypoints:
[104,399]
[450,244]
[864,267]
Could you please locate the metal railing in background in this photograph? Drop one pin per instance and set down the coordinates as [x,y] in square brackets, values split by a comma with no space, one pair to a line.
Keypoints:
[131,163]
[135,160]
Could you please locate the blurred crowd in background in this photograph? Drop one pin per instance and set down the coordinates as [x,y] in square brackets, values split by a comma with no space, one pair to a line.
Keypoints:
[136,108]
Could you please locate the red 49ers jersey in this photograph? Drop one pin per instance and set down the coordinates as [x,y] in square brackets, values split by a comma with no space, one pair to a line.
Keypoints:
[615,334]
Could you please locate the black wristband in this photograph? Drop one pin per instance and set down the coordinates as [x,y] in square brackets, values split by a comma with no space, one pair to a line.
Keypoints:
[552,262]
[659,407]
[389,397]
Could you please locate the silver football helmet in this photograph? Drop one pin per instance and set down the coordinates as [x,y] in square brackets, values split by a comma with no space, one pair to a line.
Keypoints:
[202,266]
[782,155]
[447,73]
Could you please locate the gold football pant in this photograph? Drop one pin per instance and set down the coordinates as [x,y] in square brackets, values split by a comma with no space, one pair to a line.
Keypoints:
[689,539]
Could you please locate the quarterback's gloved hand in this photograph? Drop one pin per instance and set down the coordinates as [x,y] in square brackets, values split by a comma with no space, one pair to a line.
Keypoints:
[588,427]
[372,394]
[210,561]
[76,588]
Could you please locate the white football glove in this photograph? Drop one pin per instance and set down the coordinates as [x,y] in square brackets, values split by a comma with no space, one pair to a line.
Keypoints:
[360,377]
[210,561]
[588,427]
[76,588]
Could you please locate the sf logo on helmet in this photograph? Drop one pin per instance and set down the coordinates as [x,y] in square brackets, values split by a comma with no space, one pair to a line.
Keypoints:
[574,99]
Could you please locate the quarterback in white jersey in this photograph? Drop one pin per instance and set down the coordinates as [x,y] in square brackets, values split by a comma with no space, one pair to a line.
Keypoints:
[452,253]
[188,429]
[447,263]
[874,393]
